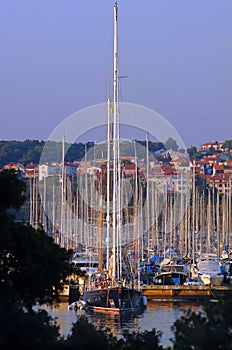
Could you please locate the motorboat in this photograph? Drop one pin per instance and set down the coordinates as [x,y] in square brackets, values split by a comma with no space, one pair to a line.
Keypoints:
[209,270]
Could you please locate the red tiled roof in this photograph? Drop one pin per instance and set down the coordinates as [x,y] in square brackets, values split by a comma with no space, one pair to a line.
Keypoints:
[207,144]
[31,166]
[129,166]
[202,162]
[218,177]
[210,143]
[213,157]
[219,167]
[168,170]
[11,165]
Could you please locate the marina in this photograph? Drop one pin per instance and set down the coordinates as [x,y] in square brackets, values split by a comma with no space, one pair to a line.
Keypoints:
[116,224]
[147,224]
[142,223]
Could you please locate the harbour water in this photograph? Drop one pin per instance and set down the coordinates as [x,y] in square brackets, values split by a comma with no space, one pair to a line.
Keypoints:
[158,314]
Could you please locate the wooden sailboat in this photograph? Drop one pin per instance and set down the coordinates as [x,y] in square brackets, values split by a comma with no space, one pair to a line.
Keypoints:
[107,291]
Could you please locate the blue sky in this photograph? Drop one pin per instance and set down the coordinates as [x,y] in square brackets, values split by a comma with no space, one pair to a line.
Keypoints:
[177,55]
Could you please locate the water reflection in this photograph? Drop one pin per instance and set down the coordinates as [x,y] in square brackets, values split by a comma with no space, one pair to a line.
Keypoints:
[116,323]
[159,314]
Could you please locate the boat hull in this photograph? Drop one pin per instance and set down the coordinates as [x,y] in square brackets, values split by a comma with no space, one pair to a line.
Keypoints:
[209,270]
[114,299]
[210,280]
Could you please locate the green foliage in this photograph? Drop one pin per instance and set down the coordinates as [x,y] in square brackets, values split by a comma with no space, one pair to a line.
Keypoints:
[27,330]
[148,340]
[27,151]
[30,151]
[194,154]
[227,144]
[86,336]
[34,267]
[153,147]
[12,190]
[211,328]
[171,144]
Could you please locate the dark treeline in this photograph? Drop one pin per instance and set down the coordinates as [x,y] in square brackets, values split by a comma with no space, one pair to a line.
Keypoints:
[29,151]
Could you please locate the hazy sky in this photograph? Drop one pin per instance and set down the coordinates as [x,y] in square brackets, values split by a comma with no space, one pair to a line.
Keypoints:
[177,55]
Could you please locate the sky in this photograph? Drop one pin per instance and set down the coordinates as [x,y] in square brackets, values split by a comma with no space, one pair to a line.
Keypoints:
[56,54]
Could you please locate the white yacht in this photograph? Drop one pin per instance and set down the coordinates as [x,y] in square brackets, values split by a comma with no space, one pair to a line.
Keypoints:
[209,270]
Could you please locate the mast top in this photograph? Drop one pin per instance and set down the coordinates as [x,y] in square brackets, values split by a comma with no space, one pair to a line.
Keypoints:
[116,8]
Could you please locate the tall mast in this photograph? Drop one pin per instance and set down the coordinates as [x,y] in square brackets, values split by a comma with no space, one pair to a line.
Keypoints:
[148,199]
[115,64]
[108,185]
[115,137]
[61,240]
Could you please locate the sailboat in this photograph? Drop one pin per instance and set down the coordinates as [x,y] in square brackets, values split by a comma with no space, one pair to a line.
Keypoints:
[107,291]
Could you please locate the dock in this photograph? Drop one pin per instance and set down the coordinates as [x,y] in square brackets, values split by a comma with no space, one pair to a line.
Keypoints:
[161,293]
[191,292]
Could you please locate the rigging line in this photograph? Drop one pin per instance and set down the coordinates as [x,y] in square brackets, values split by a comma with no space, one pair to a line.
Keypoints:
[120,89]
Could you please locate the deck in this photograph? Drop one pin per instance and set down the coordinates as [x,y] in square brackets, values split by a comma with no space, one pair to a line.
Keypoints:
[186,292]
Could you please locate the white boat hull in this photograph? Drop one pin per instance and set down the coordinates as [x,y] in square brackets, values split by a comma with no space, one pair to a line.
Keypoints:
[209,280]
[209,270]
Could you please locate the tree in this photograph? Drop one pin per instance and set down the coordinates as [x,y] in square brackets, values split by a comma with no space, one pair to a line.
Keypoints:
[32,270]
[27,330]
[85,335]
[227,144]
[12,191]
[209,328]
[194,154]
[171,144]
[147,340]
